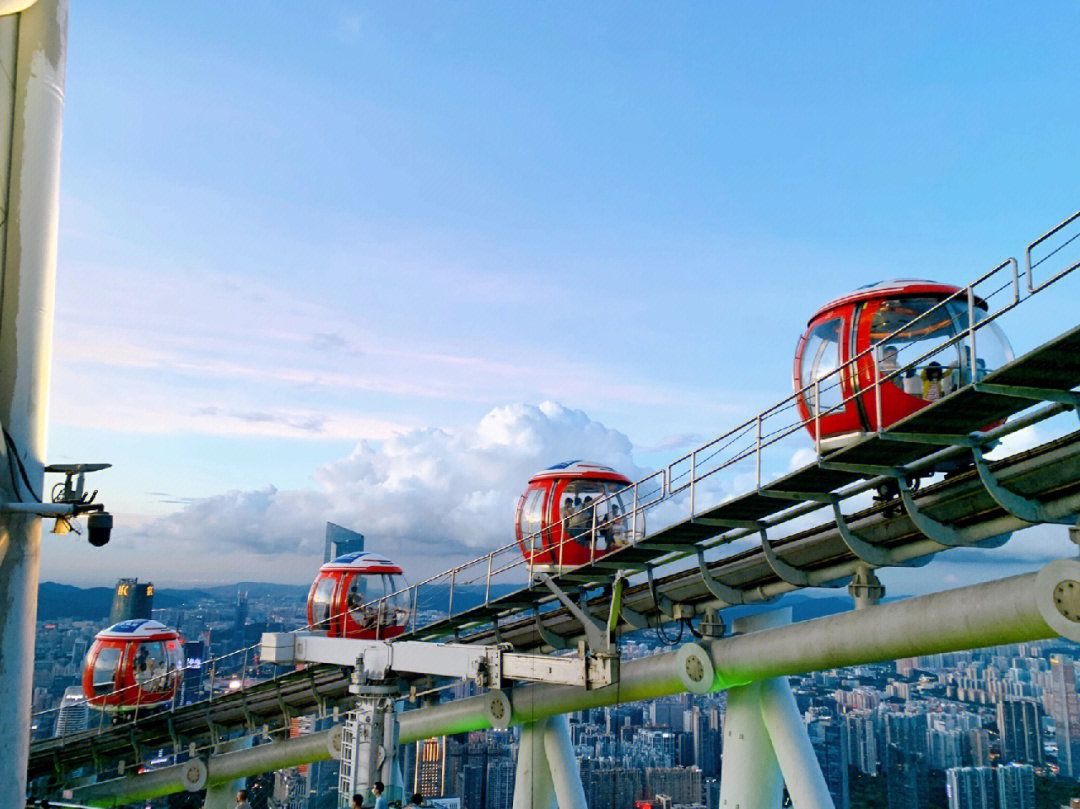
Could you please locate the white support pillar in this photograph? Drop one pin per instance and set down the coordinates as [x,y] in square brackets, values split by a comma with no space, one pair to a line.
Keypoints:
[533,784]
[750,774]
[565,775]
[791,745]
[222,795]
[33,44]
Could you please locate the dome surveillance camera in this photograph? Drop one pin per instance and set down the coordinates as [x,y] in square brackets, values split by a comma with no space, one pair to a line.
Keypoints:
[99,528]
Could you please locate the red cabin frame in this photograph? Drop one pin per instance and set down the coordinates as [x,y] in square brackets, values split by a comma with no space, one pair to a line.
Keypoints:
[850,318]
[556,542]
[126,692]
[332,587]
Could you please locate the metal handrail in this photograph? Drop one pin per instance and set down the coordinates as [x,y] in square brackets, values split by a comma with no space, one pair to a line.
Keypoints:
[700,459]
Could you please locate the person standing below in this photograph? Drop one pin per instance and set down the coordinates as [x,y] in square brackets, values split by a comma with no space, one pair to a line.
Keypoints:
[357,802]
[415,802]
[242,800]
[379,790]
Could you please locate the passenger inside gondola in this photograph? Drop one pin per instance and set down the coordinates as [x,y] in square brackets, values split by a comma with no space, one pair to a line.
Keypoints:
[937,382]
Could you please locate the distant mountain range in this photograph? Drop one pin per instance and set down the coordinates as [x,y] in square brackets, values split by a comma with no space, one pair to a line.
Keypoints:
[94,603]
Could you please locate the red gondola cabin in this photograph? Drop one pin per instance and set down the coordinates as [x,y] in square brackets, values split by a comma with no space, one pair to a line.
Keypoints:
[573,513]
[133,664]
[896,318]
[341,598]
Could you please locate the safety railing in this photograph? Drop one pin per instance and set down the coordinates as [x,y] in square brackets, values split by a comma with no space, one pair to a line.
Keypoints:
[679,486]
[984,300]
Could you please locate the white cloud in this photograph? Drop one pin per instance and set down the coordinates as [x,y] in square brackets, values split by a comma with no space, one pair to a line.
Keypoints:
[420,496]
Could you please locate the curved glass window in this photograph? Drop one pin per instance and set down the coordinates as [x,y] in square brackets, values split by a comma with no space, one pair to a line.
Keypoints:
[375,602]
[919,349]
[321,602]
[150,666]
[104,676]
[820,357]
[531,514]
[602,505]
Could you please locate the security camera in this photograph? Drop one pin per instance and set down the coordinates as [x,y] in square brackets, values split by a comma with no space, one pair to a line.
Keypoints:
[99,528]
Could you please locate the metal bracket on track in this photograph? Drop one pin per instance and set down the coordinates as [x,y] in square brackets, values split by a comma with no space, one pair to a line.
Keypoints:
[599,639]
[873,555]
[729,595]
[662,602]
[636,619]
[1021,507]
[939,532]
[557,642]
[134,736]
[784,571]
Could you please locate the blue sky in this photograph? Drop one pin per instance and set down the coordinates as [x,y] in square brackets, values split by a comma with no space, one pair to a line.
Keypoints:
[285,234]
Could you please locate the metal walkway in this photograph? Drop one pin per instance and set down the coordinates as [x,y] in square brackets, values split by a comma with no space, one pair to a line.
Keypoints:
[973,507]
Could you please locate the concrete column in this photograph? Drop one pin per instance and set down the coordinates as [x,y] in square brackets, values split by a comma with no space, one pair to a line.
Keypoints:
[791,744]
[533,785]
[565,775]
[33,42]
[750,774]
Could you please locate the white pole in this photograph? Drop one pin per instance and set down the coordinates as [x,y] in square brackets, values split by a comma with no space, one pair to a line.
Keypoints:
[563,764]
[533,785]
[33,41]
[750,774]
[791,744]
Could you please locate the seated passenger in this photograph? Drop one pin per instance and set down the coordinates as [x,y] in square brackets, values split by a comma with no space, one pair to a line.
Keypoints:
[912,384]
[579,521]
[936,382]
[889,364]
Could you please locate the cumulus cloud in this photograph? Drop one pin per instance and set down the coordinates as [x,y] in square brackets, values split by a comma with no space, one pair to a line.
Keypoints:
[425,494]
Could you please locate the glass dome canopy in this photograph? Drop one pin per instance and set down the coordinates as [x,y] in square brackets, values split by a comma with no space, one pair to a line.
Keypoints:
[131,664]
[573,513]
[360,595]
[912,333]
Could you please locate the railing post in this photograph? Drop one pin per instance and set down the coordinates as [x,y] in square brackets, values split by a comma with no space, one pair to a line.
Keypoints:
[450,606]
[971,334]
[877,387]
[633,525]
[817,416]
[415,604]
[757,451]
[693,480]
[592,533]
[487,585]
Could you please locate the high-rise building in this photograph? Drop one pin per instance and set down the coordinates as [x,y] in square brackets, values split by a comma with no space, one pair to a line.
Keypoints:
[862,736]
[970,788]
[241,612]
[831,749]
[74,714]
[1015,786]
[945,748]
[430,778]
[683,784]
[906,731]
[500,783]
[907,779]
[131,599]
[977,747]
[340,540]
[1066,712]
[611,787]
[1018,722]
